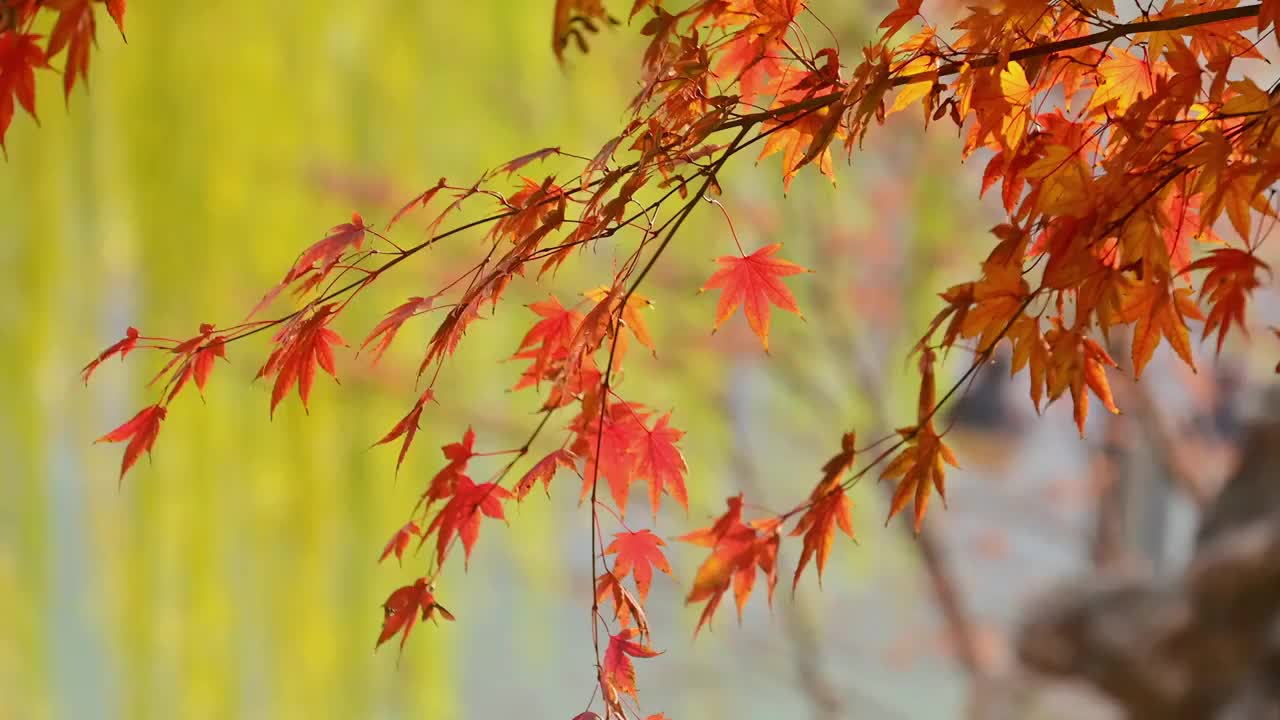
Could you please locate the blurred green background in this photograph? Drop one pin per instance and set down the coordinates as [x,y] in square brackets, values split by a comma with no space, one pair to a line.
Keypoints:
[235,574]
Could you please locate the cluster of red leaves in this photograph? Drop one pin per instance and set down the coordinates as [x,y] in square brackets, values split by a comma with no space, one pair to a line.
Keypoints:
[74,31]
[1117,203]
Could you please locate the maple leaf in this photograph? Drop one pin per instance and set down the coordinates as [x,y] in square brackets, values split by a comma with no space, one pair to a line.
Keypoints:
[661,463]
[543,471]
[1159,311]
[919,468]
[420,201]
[631,315]
[754,282]
[569,15]
[626,608]
[75,30]
[461,515]
[197,356]
[458,455]
[390,325]
[1232,277]
[803,141]
[906,10]
[1124,78]
[1078,362]
[638,553]
[403,608]
[141,431]
[116,8]
[324,254]
[400,540]
[122,347]
[407,427]
[19,56]
[301,346]
[829,507]
[619,673]
[608,445]
[549,336]
[737,550]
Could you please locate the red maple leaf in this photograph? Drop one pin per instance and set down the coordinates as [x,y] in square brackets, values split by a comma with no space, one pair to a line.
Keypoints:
[19,56]
[638,553]
[319,259]
[608,445]
[122,347]
[197,356]
[403,608]
[461,515]
[619,673]
[458,454]
[301,347]
[754,281]
[417,202]
[75,30]
[390,325]
[141,431]
[661,463]
[549,338]
[323,255]
[116,8]
[543,471]
[408,427]
[400,541]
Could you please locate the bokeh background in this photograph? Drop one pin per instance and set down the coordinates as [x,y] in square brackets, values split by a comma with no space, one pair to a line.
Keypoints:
[235,574]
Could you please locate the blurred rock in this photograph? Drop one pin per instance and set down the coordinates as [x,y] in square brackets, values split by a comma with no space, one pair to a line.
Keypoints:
[1204,644]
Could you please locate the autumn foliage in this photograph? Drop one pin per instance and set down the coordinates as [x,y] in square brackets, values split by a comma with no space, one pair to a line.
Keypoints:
[1132,155]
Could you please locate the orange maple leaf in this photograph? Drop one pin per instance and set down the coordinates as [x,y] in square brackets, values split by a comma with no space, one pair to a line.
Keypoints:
[919,468]
[754,282]
[1159,311]
[638,553]
[829,507]
[619,673]
[737,550]
[1078,362]
[1233,276]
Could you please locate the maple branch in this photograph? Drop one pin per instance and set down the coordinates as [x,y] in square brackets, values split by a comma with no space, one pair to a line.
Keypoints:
[1109,35]
[679,218]
[945,589]
[497,480]
[1105,36]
